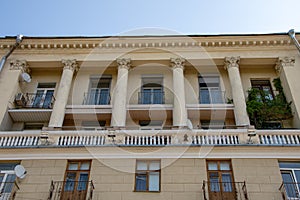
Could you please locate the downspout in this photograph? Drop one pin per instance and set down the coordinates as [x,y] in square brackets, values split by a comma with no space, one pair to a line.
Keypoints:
[293,37]
[4,58]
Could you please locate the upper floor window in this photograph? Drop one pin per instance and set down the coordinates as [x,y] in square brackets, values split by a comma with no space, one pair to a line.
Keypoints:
[98,91]
[264,86]
[152,91]
[43,98]
[8,186]
[147,176]
[210,90]
[290,172]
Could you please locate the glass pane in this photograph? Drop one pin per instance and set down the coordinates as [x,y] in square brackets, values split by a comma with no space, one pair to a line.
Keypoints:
[289,184]
[1,177]
[154,181]
[70,181]
[8,166]
[141,182]
[146,96]
[85,166]
[289,165]
[9,183]
[216,96]
[154,166]
[141,165]
[267,91]
[73,166]
[48,99]
[204,96]
[38,98]
[212,166]
[214,182]
[83,181]
[226,182]
[224,166]
[104,97]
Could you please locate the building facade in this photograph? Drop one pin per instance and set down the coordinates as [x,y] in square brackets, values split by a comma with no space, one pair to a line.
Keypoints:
[149,117]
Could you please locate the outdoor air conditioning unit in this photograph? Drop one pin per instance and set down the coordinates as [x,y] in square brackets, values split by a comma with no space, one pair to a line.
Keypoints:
[20,100]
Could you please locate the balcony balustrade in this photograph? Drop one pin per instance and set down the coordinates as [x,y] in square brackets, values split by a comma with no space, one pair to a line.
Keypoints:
[34,100]
[79,190]
[290,191]
[224,190]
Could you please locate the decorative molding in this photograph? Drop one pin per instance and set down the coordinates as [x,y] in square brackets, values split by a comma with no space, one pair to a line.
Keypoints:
[124,63]
[177,63]
[20,65]
[284,62]
[70,64]
[232,61]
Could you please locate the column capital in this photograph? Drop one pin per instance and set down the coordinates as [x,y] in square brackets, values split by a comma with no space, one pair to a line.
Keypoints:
[177,63]
[232,61]
[124,63]
[19,65]
[70,64]
[284,62]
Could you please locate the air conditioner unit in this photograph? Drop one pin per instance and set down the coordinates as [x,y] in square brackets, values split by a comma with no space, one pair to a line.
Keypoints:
[20,100]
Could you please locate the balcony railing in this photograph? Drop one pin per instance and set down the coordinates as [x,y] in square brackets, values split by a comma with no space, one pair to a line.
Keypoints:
[279,137]
[211,97]
[151,97]
[224,190]
[80,190]
[8,190]
[34,100]
[290,191]
[97,98]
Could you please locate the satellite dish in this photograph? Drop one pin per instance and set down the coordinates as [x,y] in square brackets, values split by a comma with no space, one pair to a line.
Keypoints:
[26,77]
[20,171]
[189,124]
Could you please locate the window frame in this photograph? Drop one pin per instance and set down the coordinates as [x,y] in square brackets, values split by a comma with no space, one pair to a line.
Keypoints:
[137,172]
[261,86]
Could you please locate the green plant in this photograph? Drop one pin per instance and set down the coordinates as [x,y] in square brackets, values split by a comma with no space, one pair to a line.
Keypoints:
[261,108]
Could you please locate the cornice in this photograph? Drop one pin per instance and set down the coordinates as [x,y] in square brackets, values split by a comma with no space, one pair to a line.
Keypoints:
[150,43]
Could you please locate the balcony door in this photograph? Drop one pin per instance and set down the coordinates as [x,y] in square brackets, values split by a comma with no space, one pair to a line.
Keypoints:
[43,96]
[99,91]
[152,90]
[76,180]
[220,180]
[210,90]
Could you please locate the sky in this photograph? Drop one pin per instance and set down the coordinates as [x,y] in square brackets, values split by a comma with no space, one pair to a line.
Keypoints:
[146,17]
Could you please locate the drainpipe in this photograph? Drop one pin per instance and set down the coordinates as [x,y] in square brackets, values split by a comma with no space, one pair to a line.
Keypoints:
[4,58]
[293,37]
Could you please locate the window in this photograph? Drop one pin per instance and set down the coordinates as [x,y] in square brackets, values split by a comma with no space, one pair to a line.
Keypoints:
[265,87]
[76,180]
[209,90]
[7,180]
[290,172]
[220,180]
[152,90]
[99,91]
[147,176]
[43,97]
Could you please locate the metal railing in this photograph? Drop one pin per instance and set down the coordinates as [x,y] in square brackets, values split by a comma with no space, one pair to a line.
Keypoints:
[211,97]
[290,191]
[75,190]
[224,190]
[34,100]
[151,97]
[8,190]
[96,98]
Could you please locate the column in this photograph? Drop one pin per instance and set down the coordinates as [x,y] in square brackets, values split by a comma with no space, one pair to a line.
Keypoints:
[288,70]
[179,109]
[119,101]
[240,109]
[62,95]
[9,87]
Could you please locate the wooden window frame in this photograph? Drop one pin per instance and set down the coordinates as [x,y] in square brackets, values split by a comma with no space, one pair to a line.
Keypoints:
[137,172]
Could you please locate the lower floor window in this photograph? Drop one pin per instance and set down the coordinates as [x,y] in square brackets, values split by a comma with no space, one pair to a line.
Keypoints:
[147,176]
[290,172]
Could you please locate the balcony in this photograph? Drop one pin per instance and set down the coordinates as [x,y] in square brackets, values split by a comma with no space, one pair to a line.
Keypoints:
[32,107]
[79,190]
[151,97]
[224,190]
[8,190]
[101,97]
[290,191]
